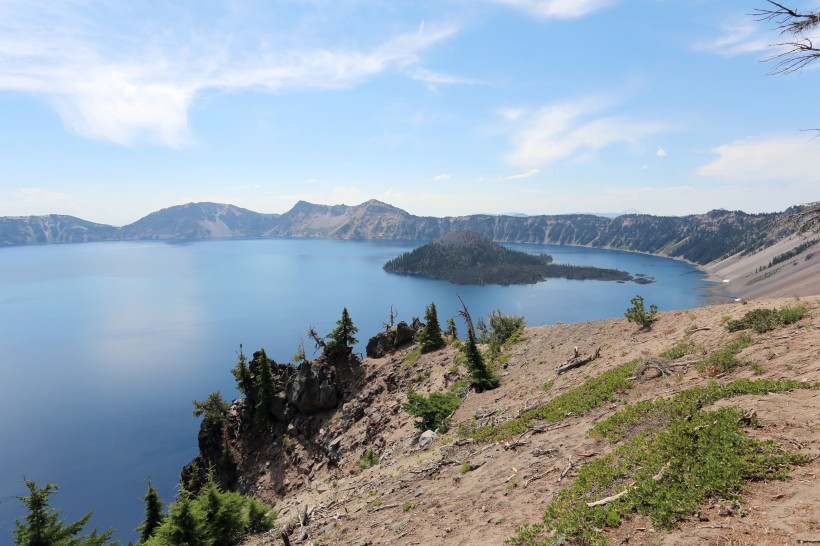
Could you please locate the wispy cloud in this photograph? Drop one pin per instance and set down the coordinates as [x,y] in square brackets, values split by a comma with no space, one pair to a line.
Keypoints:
[442,177]
[661,152]
[575,130]
[768,159]
[136,84]
[556,9]
[737,39]
[437,78]
[518,176]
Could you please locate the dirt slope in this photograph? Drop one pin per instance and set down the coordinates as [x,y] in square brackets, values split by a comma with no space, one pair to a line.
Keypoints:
[751,277]
[423,496]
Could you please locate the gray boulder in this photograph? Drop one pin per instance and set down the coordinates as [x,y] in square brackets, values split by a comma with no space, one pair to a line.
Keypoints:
[426,439]
[313,388]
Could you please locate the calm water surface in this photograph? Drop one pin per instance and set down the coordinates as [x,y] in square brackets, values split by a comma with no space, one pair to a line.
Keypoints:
[104,346]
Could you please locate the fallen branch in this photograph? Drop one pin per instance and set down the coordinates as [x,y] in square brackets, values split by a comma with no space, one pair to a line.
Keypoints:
[607,500]
[383,507]
[657,477]
[566,470]
[539,476]
[577,362]
[515,444]
[547,428]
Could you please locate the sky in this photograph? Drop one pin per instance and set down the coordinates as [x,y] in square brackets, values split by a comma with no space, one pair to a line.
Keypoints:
[110,110]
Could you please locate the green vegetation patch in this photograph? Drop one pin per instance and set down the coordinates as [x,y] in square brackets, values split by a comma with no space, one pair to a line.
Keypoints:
[665,476]
[574,402]
[724,361]
[680,349]
[214,518]
[645,414]
[369,459]
[434,410]
[766,320]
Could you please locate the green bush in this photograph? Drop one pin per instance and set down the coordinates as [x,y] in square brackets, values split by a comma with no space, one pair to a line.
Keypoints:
[577,401]
[434,410]
[638,314]
[766,320]
[214,518]
[369,459]
[724,361]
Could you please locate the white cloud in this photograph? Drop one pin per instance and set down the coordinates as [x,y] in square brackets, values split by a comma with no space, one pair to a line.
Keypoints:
[518,176]
[661,152]
[442,177]
[511,114]
[128,84]
[769,159]
[556,9]
[737,39]
[437,78]
[572,130]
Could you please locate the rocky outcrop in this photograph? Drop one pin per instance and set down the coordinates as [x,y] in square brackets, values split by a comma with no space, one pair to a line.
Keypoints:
[313,388]
[304,396]
[386,342]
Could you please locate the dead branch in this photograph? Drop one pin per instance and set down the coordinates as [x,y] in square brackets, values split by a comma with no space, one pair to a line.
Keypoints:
[566,470]
[657,477]
[538,452]
[514,444]
[383,507]
[608,499]
[656,363]
[547,428]
[800,51]
[539,476]
[577,362]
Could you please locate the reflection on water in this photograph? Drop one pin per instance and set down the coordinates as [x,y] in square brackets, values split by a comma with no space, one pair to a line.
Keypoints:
[105,345]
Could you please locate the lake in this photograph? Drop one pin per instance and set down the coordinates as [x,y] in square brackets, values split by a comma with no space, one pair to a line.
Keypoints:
[105,345]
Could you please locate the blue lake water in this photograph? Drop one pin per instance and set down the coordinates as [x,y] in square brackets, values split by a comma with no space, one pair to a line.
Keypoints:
[103,346]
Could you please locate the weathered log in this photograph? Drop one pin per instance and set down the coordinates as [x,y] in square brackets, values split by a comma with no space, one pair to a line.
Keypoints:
[577,362]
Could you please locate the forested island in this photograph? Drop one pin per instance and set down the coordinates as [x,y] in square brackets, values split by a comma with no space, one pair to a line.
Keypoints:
[465,257]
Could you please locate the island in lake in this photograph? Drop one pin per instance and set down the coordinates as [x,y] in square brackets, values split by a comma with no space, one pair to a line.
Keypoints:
[465,257]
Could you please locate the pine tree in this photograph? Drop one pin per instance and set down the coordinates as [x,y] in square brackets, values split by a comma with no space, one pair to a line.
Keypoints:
[482,378]
[430,337]
[260,517]
[340,340]
[223,517]
[183,527]
[452,331]
[214,409]
[265,388]
[244,381]
[153,514]
[43,526]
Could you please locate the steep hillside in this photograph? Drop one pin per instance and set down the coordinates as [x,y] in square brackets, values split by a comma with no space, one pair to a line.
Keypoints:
[358,474]
[52,228]
[198,221]
[787,268]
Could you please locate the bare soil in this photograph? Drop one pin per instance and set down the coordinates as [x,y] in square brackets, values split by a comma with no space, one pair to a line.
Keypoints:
[469,493]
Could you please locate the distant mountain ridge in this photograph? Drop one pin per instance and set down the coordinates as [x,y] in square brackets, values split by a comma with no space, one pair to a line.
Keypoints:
[699,238]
